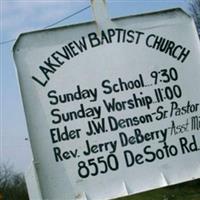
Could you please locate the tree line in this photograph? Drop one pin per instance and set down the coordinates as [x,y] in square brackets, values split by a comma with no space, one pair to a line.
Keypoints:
[12,184]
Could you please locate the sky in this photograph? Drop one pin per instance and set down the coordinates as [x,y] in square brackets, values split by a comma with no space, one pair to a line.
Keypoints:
[18,16]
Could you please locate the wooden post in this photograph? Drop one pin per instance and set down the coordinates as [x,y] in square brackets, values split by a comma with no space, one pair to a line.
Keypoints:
[100,14]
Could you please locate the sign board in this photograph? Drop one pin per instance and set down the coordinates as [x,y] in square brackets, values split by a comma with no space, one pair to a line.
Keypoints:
[113,111]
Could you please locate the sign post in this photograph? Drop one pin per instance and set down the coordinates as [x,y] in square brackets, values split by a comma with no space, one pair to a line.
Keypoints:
[33,183]
[114,110]
[100,14]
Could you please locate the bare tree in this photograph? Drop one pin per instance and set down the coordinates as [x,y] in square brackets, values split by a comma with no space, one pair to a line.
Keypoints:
[12,184]
[194,7]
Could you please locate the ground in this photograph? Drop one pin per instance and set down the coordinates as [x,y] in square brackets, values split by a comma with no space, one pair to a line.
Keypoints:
[184,191]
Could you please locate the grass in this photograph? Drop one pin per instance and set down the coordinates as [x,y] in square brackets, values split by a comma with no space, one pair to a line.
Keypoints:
[185,191]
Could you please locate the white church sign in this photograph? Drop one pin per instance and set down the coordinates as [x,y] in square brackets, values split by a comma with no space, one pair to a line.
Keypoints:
[112,110]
